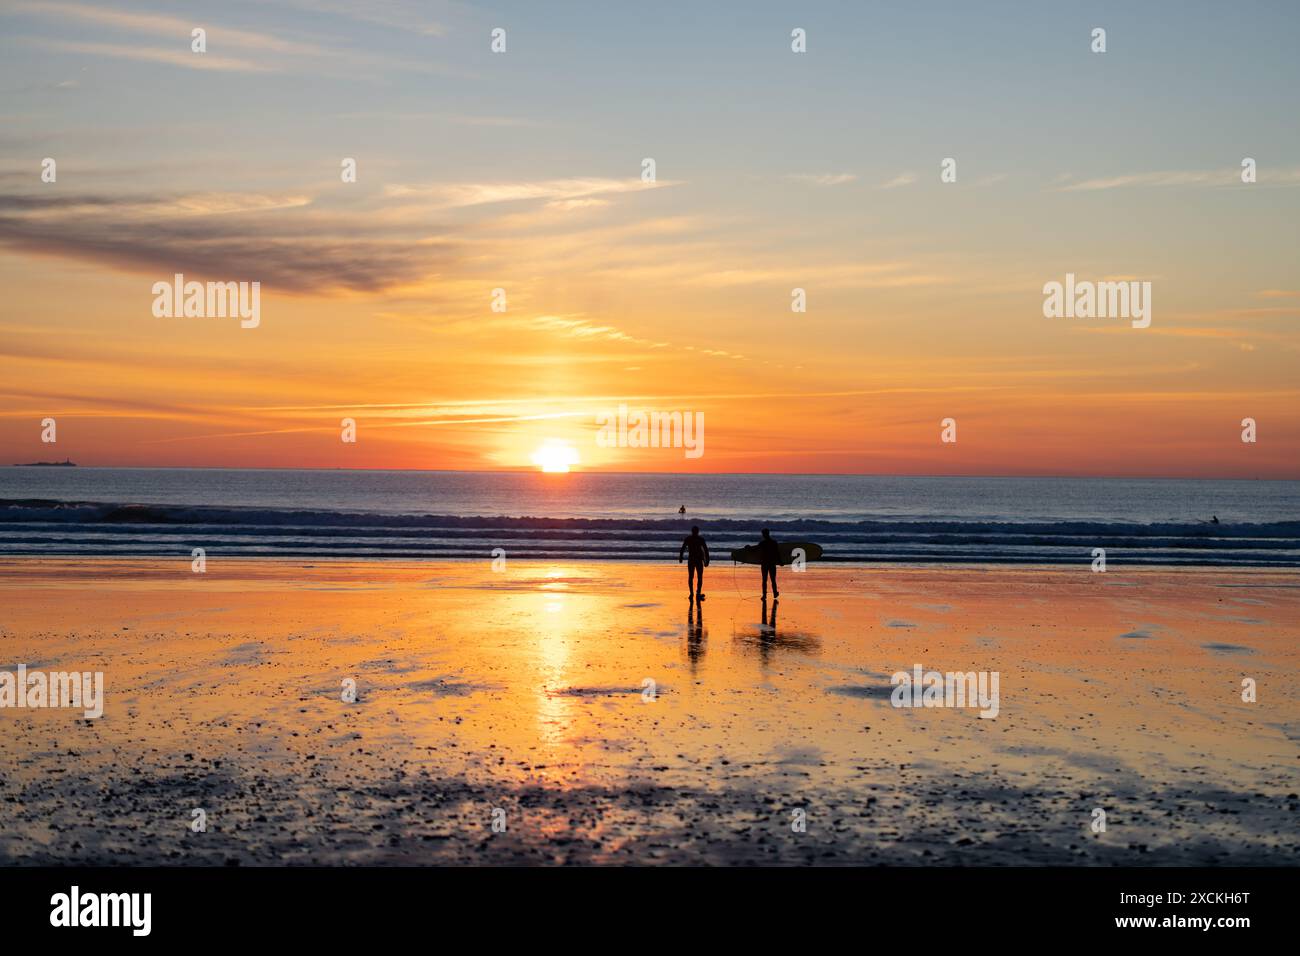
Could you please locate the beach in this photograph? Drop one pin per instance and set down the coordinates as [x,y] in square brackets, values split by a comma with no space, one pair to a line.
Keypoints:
[565,713]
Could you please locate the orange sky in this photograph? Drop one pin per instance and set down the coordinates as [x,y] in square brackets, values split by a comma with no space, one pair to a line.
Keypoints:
[924,299]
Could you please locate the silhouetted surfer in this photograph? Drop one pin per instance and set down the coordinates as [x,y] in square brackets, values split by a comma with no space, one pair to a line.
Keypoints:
[769,556]
[697,561]
[681,510]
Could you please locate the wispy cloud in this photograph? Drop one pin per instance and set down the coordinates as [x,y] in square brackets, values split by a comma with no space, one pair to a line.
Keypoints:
[162,25]
[581,328]
[853,275]
[822,179]
[452,195]
[1175,177]
[190,204]
[577,327]
[902,179]
[177,57]
[281,240]
[570,205]
[229,48]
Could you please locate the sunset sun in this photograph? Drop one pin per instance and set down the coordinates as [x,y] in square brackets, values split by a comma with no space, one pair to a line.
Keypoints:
[555,457]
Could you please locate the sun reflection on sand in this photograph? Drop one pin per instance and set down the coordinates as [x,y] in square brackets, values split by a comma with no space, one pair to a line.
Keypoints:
[556,580]
[554,713]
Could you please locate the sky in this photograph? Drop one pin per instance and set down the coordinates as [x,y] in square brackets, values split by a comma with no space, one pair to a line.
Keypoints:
[774,170]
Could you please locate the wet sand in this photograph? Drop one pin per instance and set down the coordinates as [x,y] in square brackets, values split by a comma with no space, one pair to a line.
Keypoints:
[522,691]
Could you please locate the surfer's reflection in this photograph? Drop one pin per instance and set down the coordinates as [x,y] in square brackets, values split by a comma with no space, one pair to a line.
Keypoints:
[767,633]
[695,635]
[769,640]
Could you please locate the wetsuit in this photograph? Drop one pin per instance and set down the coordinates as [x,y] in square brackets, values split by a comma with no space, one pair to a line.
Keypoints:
[697,555]
[769,556]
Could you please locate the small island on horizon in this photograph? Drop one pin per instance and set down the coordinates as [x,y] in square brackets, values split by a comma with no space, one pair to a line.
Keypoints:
[66,463]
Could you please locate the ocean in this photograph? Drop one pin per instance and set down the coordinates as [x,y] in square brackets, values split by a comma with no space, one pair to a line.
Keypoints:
[148,512]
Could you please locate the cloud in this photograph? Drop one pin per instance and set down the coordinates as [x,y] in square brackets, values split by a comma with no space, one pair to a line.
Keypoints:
[282,241]
[852,275]
[1230,176]
[454,195]
[228,48]
[902,179]
[1165,178]
[177,57]
[191,204]
[160,25]
[822,179]
[581,328]
[568,205]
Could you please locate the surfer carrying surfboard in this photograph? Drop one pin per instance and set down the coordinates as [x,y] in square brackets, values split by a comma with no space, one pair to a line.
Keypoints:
[769,556]
[697,551]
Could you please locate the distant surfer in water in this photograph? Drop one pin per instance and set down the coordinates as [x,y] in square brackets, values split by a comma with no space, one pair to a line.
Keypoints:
[697,551]
[681,510]
[769,556]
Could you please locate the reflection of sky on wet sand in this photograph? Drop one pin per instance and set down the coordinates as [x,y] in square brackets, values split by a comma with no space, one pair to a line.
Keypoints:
[553,712]
[769,638]
[697,636]
[533,677]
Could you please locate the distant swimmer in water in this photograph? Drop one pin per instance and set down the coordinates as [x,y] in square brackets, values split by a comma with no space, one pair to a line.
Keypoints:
[1214,519]
[697,551]
[681,510]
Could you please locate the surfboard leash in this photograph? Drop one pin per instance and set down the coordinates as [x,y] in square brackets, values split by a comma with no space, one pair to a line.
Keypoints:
[735,583]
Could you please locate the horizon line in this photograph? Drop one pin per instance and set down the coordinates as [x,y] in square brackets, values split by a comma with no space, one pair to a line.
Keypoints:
[525,470]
